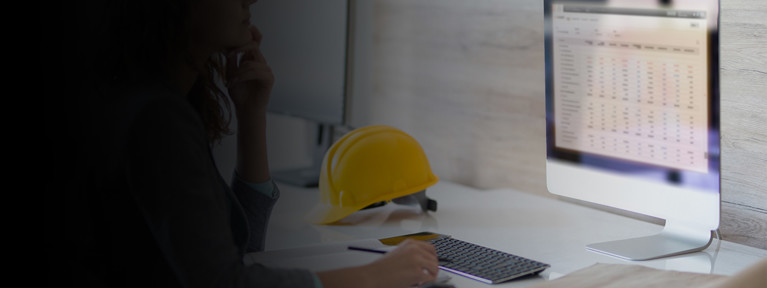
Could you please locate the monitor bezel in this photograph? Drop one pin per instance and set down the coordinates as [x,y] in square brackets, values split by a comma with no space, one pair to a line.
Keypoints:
[605,163]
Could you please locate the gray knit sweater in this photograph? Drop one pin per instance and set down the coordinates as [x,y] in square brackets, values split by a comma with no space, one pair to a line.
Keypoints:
[171,219]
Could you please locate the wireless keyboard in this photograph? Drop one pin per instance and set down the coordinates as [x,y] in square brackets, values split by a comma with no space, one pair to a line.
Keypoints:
[481,263]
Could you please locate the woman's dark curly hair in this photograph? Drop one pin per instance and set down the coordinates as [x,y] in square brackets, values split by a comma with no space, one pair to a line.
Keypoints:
[133,40]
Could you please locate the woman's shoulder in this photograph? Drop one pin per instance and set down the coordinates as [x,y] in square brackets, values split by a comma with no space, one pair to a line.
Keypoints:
[153,105]
[157,113]
[147,98]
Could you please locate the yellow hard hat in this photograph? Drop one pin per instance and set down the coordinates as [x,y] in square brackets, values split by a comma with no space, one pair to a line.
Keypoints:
[369,166]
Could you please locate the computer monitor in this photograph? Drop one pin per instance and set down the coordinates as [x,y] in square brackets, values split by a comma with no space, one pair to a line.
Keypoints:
[632,115]
[306,44]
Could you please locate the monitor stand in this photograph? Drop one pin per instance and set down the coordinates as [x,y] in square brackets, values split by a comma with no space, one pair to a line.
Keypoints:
[309,176]
[675,239]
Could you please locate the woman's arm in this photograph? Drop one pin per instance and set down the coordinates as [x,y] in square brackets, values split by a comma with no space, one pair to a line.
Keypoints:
[249,82]
[252,164]
[412,263]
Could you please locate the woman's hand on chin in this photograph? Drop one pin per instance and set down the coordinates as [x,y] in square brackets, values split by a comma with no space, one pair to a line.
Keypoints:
[249,78]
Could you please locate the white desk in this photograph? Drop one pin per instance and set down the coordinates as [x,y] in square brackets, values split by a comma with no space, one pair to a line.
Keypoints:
[540,228]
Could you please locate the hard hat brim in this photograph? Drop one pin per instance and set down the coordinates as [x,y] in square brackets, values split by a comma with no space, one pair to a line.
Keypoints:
[324,213]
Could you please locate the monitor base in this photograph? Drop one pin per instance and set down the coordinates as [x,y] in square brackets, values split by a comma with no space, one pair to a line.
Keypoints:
[310,176]
[673,240]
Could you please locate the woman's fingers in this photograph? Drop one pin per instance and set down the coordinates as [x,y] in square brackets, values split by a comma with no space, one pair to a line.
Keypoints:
[254,43]
[431,264]
[247,52]
[244,48]
[261,73]
[244,65]
[413,262]
[249,78]
[426,258]
[243,54]
[425,246]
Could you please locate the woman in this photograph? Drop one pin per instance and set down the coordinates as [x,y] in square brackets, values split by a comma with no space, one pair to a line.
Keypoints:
[158,213]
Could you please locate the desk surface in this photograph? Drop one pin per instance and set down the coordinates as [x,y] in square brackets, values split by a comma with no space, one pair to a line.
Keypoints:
[532,226]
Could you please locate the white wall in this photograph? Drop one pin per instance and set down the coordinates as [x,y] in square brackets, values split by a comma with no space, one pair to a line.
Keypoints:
[466,79]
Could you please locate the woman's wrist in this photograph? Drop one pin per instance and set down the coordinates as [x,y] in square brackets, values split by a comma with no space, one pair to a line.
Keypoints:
[252,162]
[251,114]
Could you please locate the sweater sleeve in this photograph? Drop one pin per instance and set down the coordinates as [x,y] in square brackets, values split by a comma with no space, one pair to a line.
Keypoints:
[269,190]
[257,200]
[176,186]
[268,193]
[268,187]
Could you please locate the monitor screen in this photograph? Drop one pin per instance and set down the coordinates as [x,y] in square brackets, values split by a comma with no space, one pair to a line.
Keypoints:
[632,88]
[305,44]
